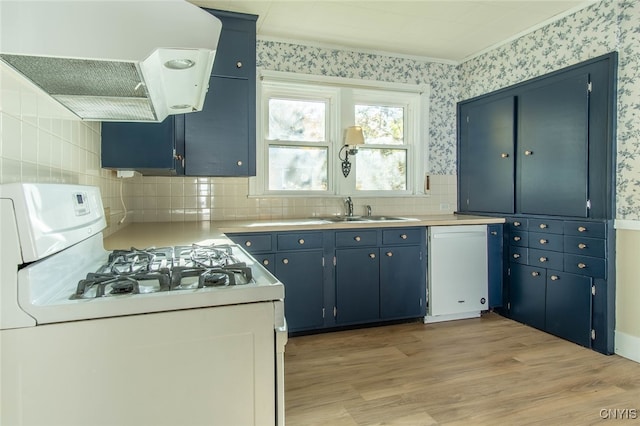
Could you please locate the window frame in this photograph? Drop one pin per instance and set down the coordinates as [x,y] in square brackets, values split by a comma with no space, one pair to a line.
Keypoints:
[341,96]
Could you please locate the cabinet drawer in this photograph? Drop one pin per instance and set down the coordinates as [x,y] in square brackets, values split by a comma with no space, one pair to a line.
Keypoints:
[402,235]
[585,246]
[253,243]
[519,238]
[517,224]
[549,226]
[356,238]
[519,255]
[544,241]
[585,265]
[546,259]
[304,240]
[586,229]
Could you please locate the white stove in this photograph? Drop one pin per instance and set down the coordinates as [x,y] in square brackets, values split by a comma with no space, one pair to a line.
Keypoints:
[58,282]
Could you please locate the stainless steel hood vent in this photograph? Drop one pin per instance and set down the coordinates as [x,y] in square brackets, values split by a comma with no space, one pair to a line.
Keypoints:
[113,60]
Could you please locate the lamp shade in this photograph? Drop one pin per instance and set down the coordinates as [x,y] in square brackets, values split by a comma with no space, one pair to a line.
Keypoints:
[354,136]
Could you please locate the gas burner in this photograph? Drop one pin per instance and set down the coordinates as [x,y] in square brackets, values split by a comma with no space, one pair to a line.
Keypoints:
[135,261]
[105,285]
[204,256]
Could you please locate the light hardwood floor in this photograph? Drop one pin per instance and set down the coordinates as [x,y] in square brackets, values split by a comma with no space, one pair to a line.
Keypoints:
[482,371]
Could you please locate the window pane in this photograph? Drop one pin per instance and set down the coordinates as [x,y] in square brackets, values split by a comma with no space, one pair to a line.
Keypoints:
[381,124]
[297,168]
[296,120]
[381,170]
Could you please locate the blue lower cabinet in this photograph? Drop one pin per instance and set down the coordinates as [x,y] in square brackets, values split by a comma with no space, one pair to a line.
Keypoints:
[568,307]
[402,282]
[302,274]
[357,285]
[527,293]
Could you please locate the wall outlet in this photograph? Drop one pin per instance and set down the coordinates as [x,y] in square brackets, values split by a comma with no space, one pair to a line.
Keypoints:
[124,173]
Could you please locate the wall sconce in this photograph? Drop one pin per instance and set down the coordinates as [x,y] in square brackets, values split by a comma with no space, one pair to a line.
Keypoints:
[352,138]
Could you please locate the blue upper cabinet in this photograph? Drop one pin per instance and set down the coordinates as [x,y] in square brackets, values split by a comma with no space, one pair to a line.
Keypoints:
[217,141]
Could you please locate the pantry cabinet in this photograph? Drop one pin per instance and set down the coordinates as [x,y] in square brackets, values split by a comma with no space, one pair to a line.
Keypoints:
[555,136]
[217,141]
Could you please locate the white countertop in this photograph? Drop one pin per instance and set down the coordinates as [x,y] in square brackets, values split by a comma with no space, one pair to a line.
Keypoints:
[148,234]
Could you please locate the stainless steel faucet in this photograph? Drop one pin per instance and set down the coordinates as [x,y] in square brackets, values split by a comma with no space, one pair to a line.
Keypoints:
[349,205]
[368,210]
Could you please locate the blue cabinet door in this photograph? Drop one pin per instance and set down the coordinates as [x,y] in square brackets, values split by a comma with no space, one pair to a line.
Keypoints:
[527,290]
[486,156]
[568,307]
[495,261]
[357,285]
[302,274]
[402,282]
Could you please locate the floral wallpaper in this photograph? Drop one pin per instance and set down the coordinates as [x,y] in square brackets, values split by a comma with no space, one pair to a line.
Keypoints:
[278,56]
[611,25]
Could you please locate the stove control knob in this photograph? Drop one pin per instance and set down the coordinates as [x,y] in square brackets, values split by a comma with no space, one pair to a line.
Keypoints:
[285,261]
[248,243]
[301,241]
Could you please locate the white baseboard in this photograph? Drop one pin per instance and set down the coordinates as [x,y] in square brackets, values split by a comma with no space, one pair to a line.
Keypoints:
[627,346]
[451,317]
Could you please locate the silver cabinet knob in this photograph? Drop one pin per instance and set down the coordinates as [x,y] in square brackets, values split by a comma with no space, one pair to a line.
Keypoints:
[554,278]
[265,262]
[247,243]
[543,226]
[301,241]
[516,256]
[403,236]
[516,224]
[239,163]
[528,152]
[372,255]
[543,241]
[516,238]
[285,261]
[535,274]
[543,259]
[239,64]
[582,265]
[581,229]
[494,232]
[582,246]
[504,155]
[357,238]
[389,254]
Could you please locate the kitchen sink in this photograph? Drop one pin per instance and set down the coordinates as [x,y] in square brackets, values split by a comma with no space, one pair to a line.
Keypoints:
[364,219]
[345,219]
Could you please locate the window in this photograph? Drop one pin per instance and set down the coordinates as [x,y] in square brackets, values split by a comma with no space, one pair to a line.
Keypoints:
[301,132]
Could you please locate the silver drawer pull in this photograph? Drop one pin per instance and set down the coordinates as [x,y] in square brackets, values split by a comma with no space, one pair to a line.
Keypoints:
[516,238]
[543,241]
[535,274]
[516,224]
[581,229]
[554,278]
[543,226]
[582,265]
[357,238]
[239,64]
[516,256]
[494,232]
[389,254]
[239,163]
[527,152]
[582,246]
[372,255]
[285,261]
[543,259]
[403,236]
[265,262]
[504,155]
[248,243]
[300,241]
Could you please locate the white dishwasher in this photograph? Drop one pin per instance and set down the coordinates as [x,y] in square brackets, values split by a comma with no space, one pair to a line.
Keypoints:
[457,272]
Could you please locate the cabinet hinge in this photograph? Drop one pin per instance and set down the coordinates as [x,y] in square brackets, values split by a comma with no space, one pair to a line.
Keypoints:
[335,311]
[593,290]
[593,334]
[508,305]
[508,272]
[467,118]
[322,312]
[334,261]
[421,302]
[588,204]
[589,87]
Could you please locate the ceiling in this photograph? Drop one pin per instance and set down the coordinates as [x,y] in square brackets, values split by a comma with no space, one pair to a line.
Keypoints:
[449,30]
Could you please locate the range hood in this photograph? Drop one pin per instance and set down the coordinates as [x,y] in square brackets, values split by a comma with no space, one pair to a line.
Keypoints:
[112,60]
